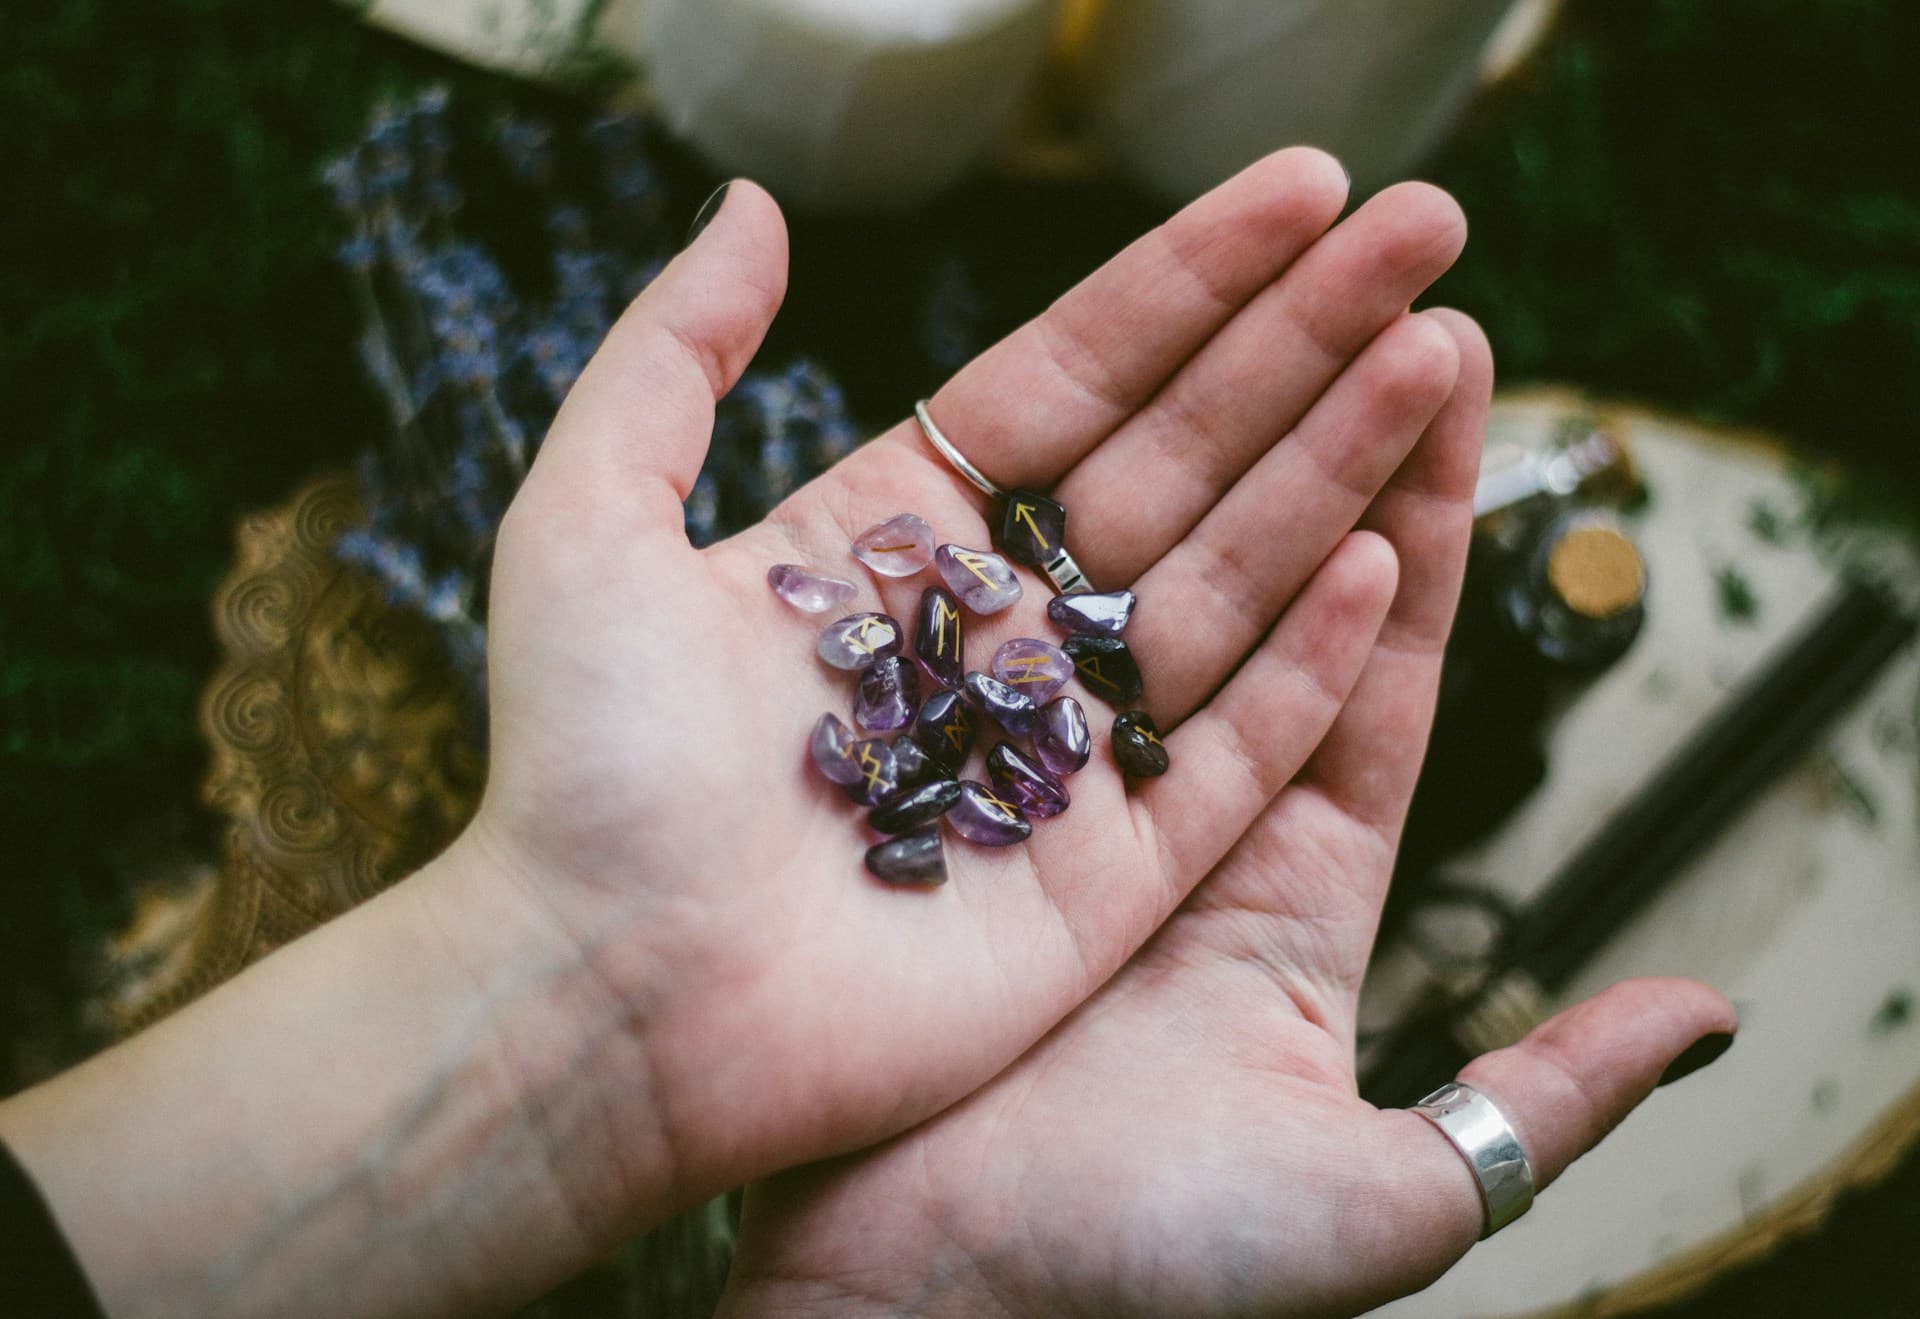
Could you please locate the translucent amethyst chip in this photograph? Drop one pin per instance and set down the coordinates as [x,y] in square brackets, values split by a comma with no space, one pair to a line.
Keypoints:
[1037,669]
[1012,710]
[831,747]
[1063,742]
[945,729]
[913,807]
[983,580]
[912,764]
[809,592]
[980,817]
[1021,780]
[879,775]
[858,640]
[917,859]
[889,692]
[899,547]
[1104,612]
[937,640]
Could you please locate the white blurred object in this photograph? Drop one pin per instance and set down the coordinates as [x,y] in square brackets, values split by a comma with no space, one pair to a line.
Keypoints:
[531,38]
[1184,92]
[843,102]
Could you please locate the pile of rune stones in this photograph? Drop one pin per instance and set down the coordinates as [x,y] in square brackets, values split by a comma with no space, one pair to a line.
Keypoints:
[911,782]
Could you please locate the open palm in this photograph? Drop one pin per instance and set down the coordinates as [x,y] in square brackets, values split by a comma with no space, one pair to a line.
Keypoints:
[1218,407]
[1191,1141]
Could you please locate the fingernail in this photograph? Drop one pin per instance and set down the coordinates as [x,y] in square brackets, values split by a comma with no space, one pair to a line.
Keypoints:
[708,209]
[1697,1055]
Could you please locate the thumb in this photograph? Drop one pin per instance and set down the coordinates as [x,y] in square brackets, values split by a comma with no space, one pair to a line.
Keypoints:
[642,411]
[1572,1080]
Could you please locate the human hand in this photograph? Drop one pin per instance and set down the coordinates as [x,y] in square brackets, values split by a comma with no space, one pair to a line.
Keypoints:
[1191,1141]
[1217,406]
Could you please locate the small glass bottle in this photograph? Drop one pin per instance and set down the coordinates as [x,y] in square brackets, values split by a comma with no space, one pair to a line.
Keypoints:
[1576,597]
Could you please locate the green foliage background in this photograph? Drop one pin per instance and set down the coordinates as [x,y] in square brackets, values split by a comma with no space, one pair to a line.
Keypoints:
[1710,204]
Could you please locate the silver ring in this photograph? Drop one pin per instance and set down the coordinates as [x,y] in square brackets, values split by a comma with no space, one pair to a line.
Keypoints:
[1485,1139]
[953,455]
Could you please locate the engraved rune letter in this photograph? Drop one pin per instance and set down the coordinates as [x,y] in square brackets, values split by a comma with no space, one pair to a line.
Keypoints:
[1023,512]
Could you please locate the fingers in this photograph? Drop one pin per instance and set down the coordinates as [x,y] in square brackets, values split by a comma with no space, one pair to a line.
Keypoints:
[1215,594]
[1135,496]
[641,413]
[1238,751]
[1368,764]
[1572,1080]
[1029,407]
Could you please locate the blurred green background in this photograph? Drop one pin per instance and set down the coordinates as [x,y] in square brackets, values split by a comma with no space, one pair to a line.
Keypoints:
[1709,205]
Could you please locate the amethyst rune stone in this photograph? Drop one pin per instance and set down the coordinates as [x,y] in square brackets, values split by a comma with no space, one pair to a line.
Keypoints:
[1012,710]
[1063,743]
[1034,528]
[983,580]
[914,807]
[1037,669]
[911,764]
[889,691]
[1137,746]
[831,747]
[917,859]
[899,547]
[944,728]
[1022,781]
[858,640]
[980,817]
[809,592]
[1106,667]
[936,638]
[879,775]
[1104,613]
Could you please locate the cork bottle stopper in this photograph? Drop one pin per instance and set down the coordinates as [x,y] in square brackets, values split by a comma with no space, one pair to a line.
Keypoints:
[1596,571]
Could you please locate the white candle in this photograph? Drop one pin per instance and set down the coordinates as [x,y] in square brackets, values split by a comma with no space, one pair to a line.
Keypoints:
[1185,92]
[843,102]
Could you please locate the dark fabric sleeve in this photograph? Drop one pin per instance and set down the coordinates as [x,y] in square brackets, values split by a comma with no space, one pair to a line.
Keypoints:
[38,1274]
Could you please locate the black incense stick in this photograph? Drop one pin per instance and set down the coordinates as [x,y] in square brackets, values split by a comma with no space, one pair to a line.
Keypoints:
[1751,738]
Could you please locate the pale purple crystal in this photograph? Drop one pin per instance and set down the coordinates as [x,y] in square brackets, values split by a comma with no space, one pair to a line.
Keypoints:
[858,640]
[980,817]
[809,592]
[831,747]
[1020,779]
[1037,669]
[983,580]
[1063,742]
[898,547]
[889,694]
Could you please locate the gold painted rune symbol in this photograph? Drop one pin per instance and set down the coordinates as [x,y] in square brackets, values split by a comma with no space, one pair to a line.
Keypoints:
[1027,664]
[870,766]
[870,636]
[943,614]
[973,562]
[1090,668]
[1006,808]
[1023,512]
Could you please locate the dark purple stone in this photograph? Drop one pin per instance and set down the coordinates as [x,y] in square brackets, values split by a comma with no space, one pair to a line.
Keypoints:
[831,747]
[858,640]
[1103,613]
[1033,529]
[1012,710]
[945,728]
[889,691]
[1137,746]
[980,817]
[917,859]
[912,765]
[1105,666]
[1063,742]
[913,807]
[1021,780]
[879,775]
[937,641]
